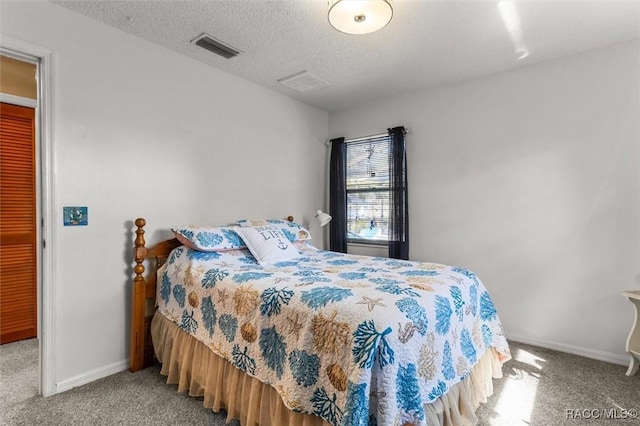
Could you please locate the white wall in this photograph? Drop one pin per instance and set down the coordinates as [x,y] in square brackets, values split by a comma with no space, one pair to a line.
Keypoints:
[531,178]
[141,131]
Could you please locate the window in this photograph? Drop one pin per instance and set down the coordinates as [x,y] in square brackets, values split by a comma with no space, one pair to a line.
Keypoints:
[367,185]
[368,195]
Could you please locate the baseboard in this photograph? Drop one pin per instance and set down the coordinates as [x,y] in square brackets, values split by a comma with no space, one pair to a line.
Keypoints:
[613,358]
[99,373]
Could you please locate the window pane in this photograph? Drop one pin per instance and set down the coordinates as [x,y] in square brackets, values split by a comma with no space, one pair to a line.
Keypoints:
[368,164]
[368,215]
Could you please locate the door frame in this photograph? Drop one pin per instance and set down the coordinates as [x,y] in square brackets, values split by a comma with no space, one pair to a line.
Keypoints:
[45,203]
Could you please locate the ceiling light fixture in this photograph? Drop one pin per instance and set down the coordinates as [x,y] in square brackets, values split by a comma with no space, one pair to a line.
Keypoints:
[359,16]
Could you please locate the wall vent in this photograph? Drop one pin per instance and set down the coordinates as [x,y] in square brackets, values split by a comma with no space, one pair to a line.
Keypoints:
[212,45]
[302,81]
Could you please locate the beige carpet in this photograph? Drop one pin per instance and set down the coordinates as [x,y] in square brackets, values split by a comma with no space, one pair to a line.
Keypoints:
[539,388]
[545,387]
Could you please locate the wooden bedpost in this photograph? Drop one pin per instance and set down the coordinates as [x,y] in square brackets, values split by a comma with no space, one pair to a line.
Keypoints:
[143,294]
[138,302]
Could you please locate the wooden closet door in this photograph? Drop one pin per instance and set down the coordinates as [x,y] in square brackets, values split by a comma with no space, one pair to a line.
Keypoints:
[18,266]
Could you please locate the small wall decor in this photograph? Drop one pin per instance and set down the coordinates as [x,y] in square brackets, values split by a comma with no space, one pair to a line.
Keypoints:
[75,216]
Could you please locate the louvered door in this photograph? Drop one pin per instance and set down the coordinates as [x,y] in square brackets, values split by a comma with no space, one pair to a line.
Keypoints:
[18,303]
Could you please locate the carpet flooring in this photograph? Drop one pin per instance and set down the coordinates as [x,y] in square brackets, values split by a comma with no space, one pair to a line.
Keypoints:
[541,387]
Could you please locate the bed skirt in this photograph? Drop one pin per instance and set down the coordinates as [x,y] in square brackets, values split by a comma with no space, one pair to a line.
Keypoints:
[195,368]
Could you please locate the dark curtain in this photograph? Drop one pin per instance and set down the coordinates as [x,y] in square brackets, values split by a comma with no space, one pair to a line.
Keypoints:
[399,203]
[338,197]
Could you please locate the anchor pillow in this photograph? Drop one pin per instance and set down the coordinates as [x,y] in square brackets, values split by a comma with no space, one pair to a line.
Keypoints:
[268,244]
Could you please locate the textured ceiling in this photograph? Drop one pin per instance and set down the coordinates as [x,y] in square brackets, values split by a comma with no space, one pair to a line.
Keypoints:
[427,42]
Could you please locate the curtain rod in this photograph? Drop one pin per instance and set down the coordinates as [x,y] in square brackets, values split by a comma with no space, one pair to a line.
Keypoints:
[407,131]
[379,135]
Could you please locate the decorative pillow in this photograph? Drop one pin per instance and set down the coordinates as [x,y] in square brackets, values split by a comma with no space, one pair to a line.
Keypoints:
[208,238]
[268,244]
[236,257]
[292,230]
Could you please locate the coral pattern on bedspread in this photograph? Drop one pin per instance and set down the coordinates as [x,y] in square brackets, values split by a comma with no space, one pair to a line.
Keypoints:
[355,340]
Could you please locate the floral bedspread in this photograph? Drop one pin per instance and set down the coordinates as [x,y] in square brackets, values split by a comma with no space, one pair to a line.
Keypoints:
[355,340]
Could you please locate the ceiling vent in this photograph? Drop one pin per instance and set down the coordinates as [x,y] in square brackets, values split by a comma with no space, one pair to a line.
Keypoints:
[212,45]
[303,81]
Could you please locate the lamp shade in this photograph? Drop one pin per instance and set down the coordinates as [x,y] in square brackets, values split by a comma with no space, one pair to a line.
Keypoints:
[322,218]
[359,16]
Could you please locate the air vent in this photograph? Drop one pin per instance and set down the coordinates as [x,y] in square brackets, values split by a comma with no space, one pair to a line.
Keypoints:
[302,81]
[212,45]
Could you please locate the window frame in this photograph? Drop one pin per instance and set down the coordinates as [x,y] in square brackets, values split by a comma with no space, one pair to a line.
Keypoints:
[379,138]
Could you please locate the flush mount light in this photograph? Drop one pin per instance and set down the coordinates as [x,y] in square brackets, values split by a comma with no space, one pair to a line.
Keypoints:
[359,16]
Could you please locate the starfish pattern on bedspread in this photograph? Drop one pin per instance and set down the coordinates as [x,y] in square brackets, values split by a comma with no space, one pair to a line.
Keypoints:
[350,338]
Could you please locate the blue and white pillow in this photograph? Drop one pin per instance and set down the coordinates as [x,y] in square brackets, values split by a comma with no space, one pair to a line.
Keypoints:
[292,230]
[208,238]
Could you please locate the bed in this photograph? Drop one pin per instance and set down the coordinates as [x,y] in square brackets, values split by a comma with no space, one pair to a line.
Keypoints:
[322,338]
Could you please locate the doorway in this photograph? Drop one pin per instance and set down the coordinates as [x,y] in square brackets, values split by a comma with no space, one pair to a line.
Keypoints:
[40,225]
[18,257]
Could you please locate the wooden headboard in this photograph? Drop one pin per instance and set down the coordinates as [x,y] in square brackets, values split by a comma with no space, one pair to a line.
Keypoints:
[143,295]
